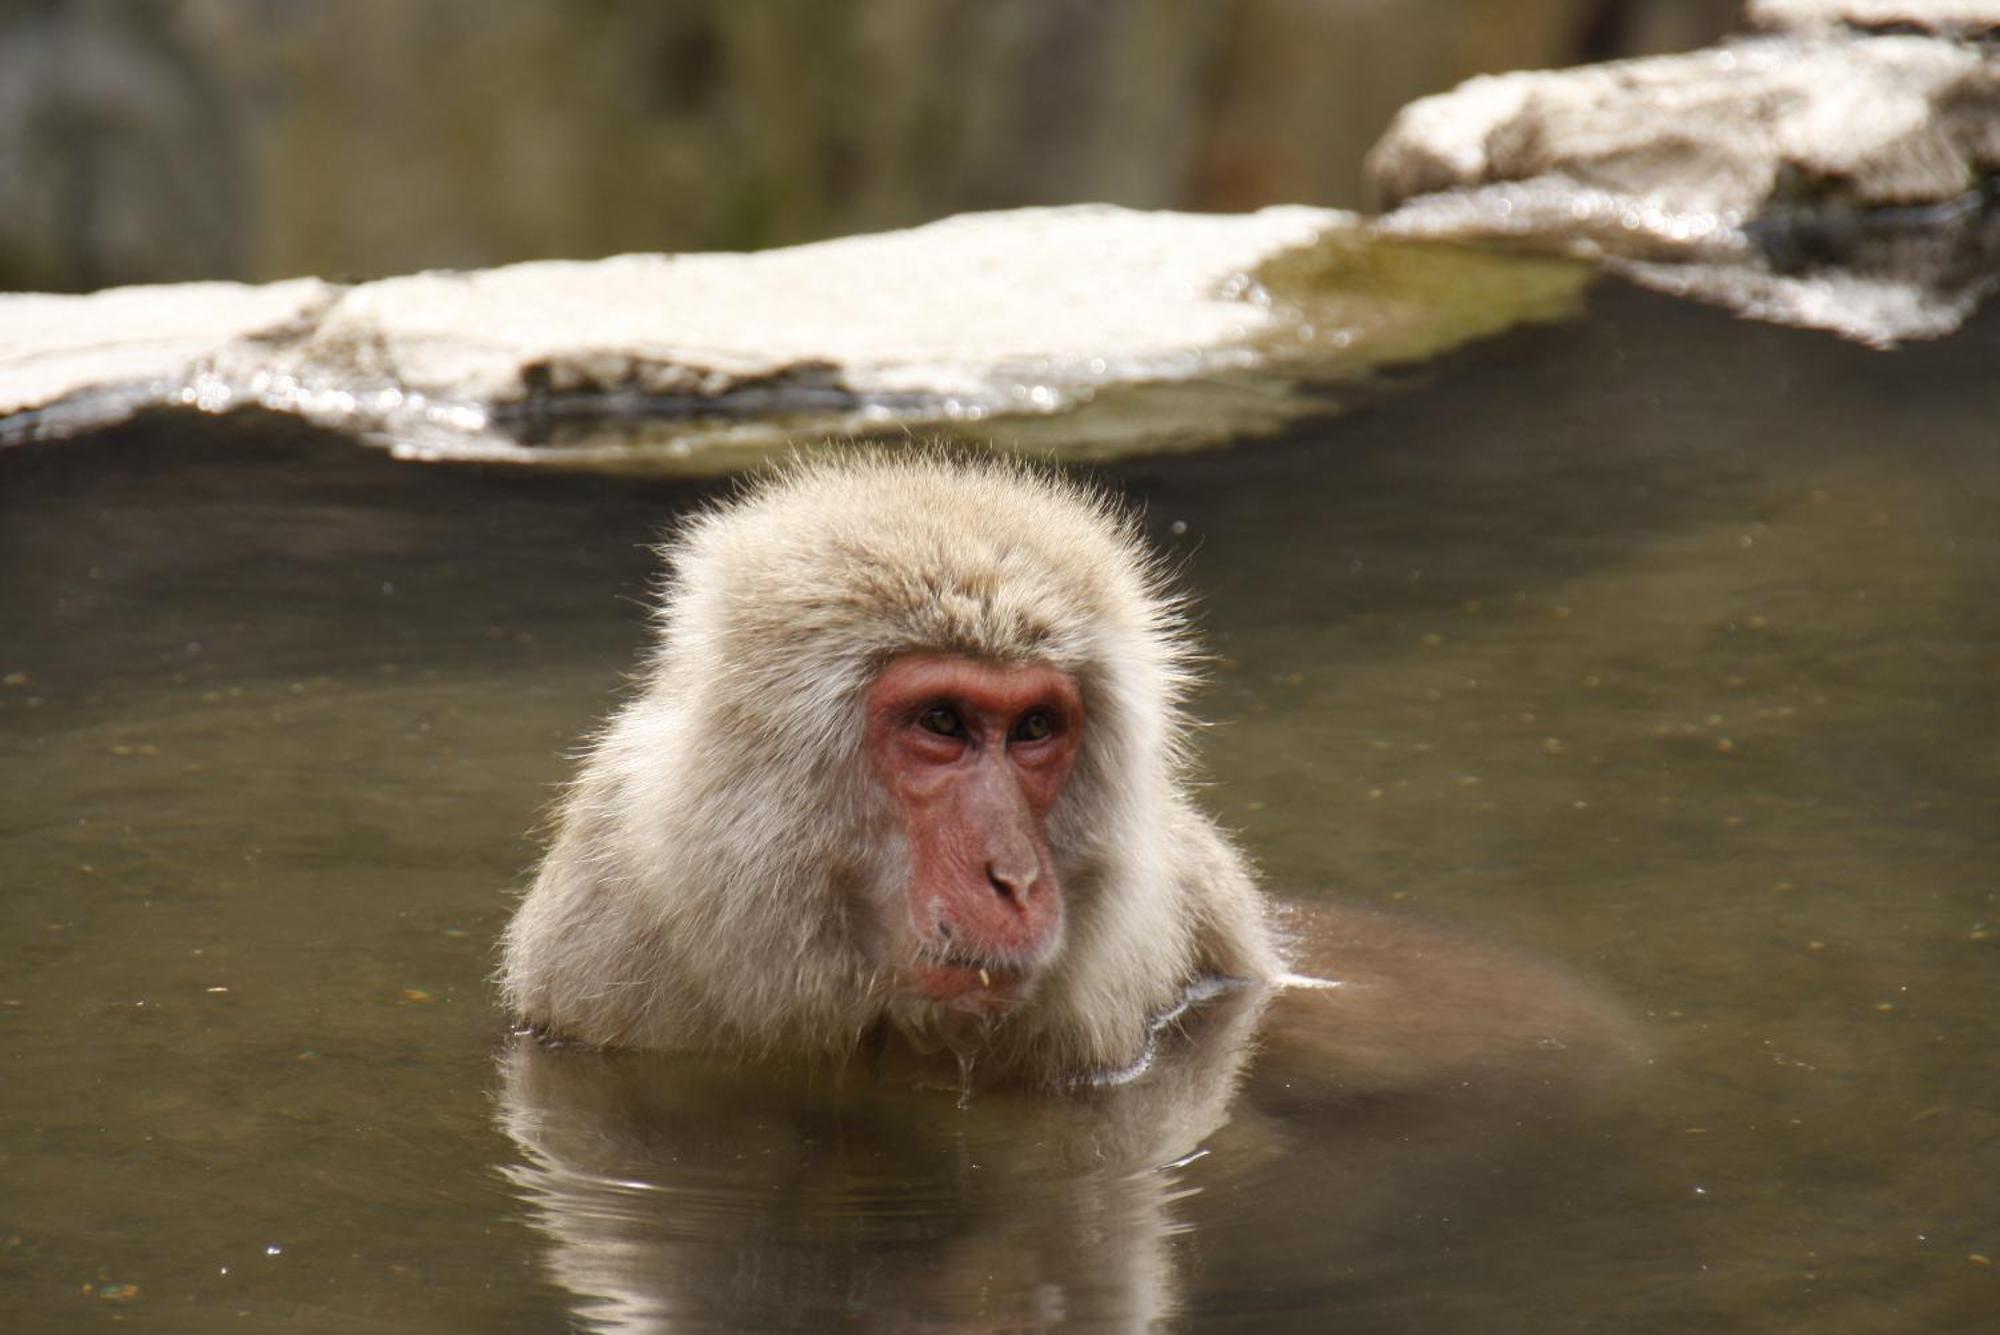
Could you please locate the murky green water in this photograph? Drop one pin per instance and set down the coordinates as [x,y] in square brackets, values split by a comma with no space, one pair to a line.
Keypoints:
[1660,647]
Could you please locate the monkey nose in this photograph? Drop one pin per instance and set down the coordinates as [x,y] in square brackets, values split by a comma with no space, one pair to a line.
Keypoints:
[1011,883]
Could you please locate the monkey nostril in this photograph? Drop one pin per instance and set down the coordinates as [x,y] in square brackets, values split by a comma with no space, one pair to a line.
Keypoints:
[1007,885]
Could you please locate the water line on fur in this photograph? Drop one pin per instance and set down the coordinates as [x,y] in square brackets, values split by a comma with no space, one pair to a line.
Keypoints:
[1196,992]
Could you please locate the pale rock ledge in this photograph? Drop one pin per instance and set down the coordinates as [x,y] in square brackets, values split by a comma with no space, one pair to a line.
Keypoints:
[1177,328]
[1841,172]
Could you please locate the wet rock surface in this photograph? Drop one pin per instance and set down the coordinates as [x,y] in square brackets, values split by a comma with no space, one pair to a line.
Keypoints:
[1135,330]
[1839,171]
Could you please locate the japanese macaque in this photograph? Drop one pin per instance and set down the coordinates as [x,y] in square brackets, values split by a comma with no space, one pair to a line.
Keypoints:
[909,751]
[909,761]
[907,772]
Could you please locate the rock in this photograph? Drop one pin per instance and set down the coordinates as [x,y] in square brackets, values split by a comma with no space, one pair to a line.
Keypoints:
[76,361]
[1841,182]
[1966,19]
[1171,328]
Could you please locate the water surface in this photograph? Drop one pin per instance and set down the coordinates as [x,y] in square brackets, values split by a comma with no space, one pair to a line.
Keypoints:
[1658,647]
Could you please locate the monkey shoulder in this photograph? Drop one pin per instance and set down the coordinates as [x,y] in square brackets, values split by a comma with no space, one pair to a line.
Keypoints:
[1234,934]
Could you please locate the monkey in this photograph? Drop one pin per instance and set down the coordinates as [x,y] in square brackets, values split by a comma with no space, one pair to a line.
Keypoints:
[906,781]
[910,761]
[911,747]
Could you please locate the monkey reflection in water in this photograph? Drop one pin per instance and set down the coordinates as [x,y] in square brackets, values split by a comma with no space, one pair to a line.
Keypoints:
[904,802]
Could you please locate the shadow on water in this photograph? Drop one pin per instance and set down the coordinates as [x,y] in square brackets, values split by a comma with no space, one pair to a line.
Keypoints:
[1658,645]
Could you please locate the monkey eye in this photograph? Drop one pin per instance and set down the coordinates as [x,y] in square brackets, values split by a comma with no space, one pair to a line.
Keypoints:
[1035,726]
[942,720]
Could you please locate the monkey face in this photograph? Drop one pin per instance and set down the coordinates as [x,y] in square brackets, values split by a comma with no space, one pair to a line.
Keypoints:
[973,755]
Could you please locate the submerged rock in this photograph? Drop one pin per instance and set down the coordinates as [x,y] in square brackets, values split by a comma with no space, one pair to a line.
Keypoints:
[1819,177]
[1134,330]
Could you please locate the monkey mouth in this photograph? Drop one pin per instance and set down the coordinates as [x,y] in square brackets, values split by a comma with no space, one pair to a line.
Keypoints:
[969,981]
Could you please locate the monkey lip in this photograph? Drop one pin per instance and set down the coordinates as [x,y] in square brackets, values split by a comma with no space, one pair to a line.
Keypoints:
[958,979]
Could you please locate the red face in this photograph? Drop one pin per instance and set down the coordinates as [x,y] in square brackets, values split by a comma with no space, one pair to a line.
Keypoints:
[973,757]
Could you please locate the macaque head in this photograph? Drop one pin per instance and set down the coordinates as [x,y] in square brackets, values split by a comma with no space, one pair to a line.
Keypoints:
[972,757]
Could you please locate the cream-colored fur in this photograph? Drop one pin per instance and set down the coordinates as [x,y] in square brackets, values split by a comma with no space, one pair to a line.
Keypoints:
[721,852]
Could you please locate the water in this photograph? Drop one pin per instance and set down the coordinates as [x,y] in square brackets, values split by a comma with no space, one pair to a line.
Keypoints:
[1658,647]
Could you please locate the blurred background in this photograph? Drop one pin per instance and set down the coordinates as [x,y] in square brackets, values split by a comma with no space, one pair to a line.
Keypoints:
[165,140]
